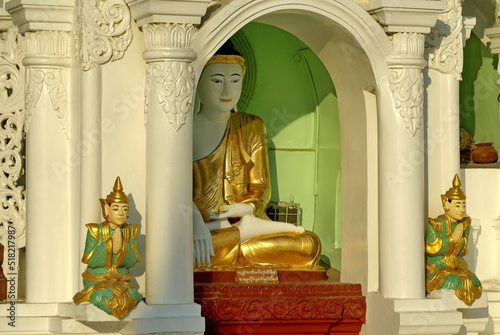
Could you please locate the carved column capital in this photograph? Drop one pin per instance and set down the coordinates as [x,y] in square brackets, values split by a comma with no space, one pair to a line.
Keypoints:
[163,11]
[406,21]
[47,48]
[169,41]
[406,78]
[170,74]
[33,15]
[46,60]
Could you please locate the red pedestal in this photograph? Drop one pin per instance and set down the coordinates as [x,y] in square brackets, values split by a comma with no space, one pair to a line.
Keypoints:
[309,307]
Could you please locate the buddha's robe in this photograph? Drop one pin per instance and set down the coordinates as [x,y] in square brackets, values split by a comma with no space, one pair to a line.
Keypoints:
[107,278]
[445,266]
[237,172]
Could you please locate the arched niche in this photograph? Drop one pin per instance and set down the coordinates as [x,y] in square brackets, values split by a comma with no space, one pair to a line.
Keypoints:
[287,85]
[353,49]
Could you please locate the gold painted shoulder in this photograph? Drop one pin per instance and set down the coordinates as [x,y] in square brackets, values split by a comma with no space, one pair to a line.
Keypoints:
[93,230]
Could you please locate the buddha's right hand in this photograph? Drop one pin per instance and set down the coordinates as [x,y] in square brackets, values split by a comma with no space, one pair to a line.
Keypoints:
[236,210]
[202,241]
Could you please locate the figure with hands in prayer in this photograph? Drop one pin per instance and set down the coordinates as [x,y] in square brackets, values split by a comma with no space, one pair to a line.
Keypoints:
[446,243]
[110,251]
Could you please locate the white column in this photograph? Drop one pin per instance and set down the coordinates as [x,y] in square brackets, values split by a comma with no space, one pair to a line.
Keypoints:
[401,172]
[168,28]
[52,204]
[445,52]
[48,208]
[401,149]
[170,87]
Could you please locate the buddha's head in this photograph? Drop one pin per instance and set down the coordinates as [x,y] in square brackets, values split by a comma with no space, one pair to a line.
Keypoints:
[220,84]
[115,206]
[454,201]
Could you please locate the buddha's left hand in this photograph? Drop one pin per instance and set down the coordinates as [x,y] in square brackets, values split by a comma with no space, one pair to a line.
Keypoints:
[237,210]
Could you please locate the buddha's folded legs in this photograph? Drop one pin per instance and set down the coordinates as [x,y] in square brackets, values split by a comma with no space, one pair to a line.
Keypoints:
[296,250]
[291,250]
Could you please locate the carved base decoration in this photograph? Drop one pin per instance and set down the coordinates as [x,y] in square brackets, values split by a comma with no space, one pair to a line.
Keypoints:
[286,308]
[12,117]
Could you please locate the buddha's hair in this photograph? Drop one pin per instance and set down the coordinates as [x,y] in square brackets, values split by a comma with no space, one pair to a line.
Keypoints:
[227,54]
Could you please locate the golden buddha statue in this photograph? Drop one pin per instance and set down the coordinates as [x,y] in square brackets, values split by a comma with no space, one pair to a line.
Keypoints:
[231,181]
[446,241]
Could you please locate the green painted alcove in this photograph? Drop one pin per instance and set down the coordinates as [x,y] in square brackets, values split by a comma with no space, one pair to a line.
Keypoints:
[479,104]
[293,93]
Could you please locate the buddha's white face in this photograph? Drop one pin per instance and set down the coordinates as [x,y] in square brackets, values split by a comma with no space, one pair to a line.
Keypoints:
[219,88]
[455,209]
[117,213]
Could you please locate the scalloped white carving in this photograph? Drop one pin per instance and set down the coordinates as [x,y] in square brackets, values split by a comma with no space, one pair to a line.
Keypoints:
[50,78]
[173,83]
[172,80]
[444,44]
[12,211]
[406,80]
[168,35]
[102,31]
[407,86]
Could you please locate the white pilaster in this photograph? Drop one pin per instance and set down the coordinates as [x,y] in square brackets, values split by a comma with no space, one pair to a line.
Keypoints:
[401,147]
[402,170]
[53,203]
[444,47]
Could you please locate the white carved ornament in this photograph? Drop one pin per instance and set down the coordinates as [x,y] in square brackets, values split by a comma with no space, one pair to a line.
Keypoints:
[173,83]
[102,31]
[12,209]
[406,79]
[444,44]
[49,79]
[407,86]
[173,80]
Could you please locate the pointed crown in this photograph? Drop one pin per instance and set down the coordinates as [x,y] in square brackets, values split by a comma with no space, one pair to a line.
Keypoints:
[117,195]
[455,192]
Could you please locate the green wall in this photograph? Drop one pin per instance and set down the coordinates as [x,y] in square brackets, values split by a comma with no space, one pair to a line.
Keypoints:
[479,105]
[296,98]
